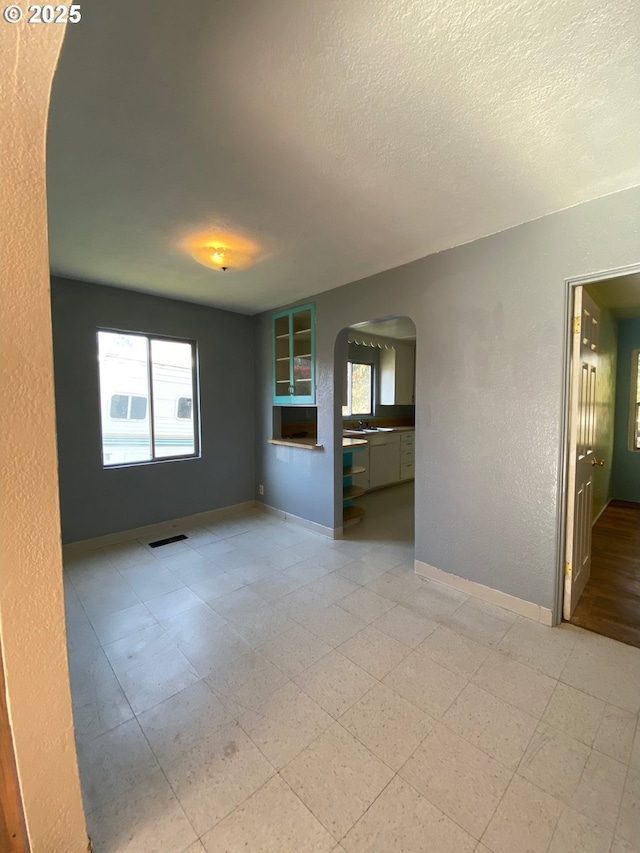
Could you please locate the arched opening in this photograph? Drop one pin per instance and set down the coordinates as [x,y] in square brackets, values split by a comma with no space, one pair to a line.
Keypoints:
[375,448]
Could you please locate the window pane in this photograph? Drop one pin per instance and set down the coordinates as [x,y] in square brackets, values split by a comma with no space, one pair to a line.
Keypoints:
[122,361]
[361,389]
[185,407]
[138,408]
[119,407]
[171,378]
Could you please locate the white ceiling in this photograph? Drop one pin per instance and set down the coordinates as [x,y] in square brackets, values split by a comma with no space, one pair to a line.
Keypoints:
[344,136]
[399,328]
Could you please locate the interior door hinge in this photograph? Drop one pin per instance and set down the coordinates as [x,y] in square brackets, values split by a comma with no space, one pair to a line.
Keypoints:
[577,323]
[567,569]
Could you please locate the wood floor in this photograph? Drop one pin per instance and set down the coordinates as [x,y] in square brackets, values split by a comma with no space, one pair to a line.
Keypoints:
[610,603]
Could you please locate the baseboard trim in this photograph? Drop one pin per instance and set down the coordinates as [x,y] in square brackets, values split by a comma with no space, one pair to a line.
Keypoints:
[330,532]
[156,530]
[486,593]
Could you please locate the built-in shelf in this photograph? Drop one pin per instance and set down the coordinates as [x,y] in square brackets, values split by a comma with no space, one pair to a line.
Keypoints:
[352,514]
[352,492]
[303,443]
[350,470]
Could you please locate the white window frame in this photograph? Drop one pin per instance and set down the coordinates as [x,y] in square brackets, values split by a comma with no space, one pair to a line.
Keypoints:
[195,397]
[350,413]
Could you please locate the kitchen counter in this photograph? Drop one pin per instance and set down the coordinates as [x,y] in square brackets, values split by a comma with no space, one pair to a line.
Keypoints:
[381,431]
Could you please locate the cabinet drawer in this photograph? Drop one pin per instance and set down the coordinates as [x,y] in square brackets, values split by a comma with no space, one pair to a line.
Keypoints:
[407,454]
[407,471]
[407,438]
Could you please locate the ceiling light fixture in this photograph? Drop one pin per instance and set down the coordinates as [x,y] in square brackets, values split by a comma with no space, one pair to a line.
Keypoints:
[222,251]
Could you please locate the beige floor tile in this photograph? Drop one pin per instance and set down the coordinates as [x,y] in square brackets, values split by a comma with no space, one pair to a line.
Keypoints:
[525,820]
[402,820]
[616,733]
[554,762]
[398,589]
[540,647]
[634,758]
[285,724]
[216,775]
[454,651]
[295,650]
[115,626]
[150,580]
[212,649]
[175,725]
[335,683]
[360,572]
[425,683]
[263,625]
[274,587]
[112,598]
[147,819]
[306,572]
[481,621]
[332,624]
[387,724]
[605,669]
[621,845]
[599,793]
[138,648]
[435,601]
[576,832]
[196,847]
[459,779]
[247,681]
[273,820]
[173,603]
[628,826]
[238,603]
[215,586]
[365,604]
[332,588]
[299,604]
[99,706]
[374,651]
[515,683]
[405,626]
[337,778]
[113,763]
[495,727]
[157,679]
[574,712]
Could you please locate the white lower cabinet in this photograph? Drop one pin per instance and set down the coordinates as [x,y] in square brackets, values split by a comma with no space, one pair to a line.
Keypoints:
[384,459]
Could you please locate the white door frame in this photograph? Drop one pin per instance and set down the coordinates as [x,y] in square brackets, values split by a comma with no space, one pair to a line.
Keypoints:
[563,473]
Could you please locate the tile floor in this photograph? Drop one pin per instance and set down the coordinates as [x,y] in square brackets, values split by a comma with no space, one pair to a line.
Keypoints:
[258,687]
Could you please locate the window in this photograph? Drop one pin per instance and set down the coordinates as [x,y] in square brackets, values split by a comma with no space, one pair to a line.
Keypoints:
[185,408]
[359,389]
[147,389]
[128,407]
[635,399]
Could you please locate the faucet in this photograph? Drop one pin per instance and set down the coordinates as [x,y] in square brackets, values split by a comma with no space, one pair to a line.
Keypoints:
[360,424]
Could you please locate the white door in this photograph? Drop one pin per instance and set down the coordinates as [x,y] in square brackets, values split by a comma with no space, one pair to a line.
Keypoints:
[582,443]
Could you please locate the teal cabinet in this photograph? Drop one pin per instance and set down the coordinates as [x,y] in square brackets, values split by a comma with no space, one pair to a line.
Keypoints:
[294,356]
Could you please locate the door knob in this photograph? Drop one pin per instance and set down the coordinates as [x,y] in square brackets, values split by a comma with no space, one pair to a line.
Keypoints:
[599,462]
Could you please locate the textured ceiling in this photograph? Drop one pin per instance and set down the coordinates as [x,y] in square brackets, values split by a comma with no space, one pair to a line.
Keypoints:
[345,137]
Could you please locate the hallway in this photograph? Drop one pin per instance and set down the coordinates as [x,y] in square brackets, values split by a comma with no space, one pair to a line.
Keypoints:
[610,603]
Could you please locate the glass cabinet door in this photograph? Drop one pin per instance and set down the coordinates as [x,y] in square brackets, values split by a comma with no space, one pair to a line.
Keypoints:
[294,355]
[282,346]
[302,345]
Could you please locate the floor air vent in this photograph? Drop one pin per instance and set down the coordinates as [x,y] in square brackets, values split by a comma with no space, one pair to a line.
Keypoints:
[168,541]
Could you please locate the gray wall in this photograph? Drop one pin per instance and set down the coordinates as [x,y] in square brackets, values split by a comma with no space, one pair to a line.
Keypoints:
[490,320]
[626,463]
[95,501]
